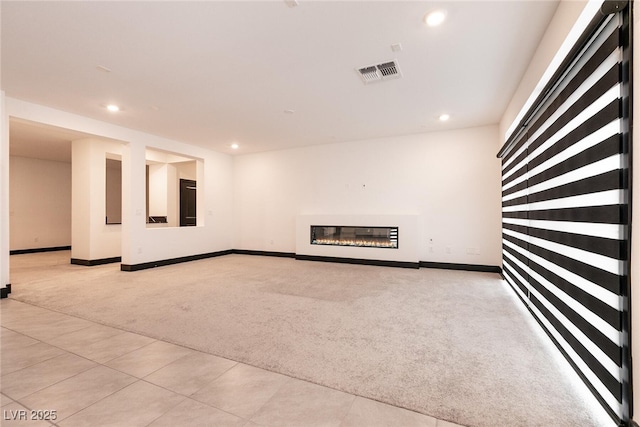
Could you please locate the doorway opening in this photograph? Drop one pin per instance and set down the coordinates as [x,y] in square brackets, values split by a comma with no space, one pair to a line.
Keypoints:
[188,216]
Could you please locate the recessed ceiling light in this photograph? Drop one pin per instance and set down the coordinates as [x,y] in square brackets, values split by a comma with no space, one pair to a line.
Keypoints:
[113,108]
[289,111]
[235,146]
[435,18]
[103,68]
[444,117]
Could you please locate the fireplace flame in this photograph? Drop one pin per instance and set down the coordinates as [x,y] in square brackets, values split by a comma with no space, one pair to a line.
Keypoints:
[361,243]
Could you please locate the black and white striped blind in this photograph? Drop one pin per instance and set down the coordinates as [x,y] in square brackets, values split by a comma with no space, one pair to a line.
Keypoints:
[565,213]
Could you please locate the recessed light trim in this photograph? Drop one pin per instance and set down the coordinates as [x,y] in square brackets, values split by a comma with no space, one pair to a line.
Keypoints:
[113,108]
[435,17]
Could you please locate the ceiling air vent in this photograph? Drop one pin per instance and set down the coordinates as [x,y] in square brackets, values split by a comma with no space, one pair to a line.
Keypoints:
[379,72]
[370,74]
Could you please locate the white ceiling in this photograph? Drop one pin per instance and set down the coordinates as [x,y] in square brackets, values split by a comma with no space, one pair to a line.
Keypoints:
[211,73]
[35,140]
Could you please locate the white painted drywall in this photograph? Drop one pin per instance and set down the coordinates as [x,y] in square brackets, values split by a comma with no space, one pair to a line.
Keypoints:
[40,203]
[139,244]
[563,21]
[158,186]
[91,237]
[164,188]
[635,230]
[451,179]
[4,193]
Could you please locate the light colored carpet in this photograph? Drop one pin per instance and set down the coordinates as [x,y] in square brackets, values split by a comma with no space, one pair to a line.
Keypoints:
[450,344]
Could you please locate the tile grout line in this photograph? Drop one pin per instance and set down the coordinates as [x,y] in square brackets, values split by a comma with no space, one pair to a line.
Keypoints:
[137,379]
[97,364]
[353,402]
[290,378]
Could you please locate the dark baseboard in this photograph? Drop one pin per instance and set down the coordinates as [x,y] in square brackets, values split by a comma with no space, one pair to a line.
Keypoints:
[93,262]
[465,267]
[4,292]
[264,253]
[37,250]
[163,262]
[402,264]
[383,263]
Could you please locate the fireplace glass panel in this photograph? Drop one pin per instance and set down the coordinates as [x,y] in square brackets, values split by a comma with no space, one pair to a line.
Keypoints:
[368,237]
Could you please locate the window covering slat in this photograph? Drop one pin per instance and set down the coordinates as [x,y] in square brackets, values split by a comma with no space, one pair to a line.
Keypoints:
[565,214]
[591,214]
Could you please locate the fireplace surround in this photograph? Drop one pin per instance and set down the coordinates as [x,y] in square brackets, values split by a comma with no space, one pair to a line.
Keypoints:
[366,239]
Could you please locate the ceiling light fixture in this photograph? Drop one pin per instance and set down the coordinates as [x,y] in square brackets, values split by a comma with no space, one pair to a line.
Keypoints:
[235,146]
[444,117]
[113,108]
[435,18]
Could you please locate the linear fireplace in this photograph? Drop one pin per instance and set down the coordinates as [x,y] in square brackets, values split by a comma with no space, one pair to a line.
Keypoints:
[366,237]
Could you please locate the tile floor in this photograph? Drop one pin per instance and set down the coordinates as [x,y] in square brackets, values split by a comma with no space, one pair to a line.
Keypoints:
[94,375]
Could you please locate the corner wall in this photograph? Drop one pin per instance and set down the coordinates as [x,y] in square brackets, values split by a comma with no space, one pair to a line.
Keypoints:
[91,237]
[451,179]
[40,203]
[4,193]
[635,218]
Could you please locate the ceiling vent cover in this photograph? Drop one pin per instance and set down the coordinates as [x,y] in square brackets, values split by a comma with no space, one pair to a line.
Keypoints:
[379,72]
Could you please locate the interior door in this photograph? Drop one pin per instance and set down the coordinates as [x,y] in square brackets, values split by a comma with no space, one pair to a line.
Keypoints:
[187,203]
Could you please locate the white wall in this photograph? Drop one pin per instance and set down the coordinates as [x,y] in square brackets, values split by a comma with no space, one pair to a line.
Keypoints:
[214,176]
[451,179]
[164,189]
[159,184]
[40,203]
[559,28]
[4,193]
[635,219]
[91,237]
